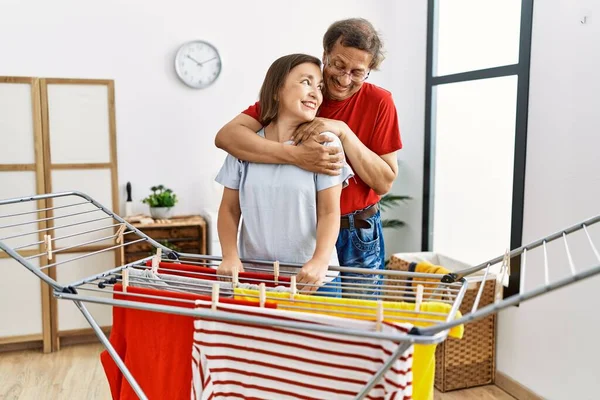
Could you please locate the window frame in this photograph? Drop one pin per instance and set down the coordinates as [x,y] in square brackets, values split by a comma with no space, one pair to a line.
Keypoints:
[521,70]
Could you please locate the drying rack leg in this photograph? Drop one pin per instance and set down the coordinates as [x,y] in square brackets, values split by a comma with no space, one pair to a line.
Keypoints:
[111,350]
[402,347]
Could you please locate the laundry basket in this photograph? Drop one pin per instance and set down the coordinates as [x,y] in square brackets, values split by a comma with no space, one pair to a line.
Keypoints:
[466,362]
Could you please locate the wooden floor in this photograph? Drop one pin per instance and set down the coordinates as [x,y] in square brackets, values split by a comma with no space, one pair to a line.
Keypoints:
[75,373]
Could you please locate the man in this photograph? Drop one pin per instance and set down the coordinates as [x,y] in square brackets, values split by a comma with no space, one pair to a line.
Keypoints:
[364,117]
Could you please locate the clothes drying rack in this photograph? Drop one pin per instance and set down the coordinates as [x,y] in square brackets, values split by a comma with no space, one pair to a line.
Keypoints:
[69,221]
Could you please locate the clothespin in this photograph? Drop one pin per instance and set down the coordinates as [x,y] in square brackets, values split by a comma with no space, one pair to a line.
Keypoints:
[234,278]
[262,294]
[48,242]
[501,273]
[119,238]
[156,260]
[276,272]
[125,274]
[506,275]
[379,316]
[215,296]
[419,299]
[293,288]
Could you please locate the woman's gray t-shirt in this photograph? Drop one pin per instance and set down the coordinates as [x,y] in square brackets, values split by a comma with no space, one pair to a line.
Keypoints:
[279,207]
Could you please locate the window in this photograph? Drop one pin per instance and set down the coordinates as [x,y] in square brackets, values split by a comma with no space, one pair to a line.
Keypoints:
[476,128]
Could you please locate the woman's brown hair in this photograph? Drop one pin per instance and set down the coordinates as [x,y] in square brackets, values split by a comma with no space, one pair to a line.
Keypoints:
[274,81]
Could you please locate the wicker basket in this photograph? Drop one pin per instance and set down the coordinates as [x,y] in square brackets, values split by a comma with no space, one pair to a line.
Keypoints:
[466,362]
[469,361]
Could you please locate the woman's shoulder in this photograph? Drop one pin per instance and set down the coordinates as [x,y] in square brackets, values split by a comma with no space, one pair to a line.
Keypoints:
[336,140]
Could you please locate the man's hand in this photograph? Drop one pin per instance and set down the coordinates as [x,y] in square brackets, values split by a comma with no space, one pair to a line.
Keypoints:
[312,275]
[312,156]
[227,266]
[317,126]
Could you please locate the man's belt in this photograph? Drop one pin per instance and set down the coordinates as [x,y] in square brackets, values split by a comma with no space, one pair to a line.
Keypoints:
[360,219]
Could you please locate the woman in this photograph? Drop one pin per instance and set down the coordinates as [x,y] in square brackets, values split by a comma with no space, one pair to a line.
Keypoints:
[290,215]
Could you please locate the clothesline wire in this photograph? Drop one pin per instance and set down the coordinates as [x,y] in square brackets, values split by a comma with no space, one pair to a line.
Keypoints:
[392,313]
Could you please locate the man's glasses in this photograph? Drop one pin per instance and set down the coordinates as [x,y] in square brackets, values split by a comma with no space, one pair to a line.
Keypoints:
[356,76]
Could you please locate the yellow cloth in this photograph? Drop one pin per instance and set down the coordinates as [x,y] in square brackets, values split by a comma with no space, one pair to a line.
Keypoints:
[423,356]
[427,268]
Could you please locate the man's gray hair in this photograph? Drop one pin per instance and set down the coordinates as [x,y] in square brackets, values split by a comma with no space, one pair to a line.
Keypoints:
[358,33]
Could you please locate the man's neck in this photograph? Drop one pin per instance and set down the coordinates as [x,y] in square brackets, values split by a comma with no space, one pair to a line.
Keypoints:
[328,98]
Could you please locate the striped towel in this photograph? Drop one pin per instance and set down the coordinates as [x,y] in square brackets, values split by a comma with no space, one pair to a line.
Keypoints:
[232,360]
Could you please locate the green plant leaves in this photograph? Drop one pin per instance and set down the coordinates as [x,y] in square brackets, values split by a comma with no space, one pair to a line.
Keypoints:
[161,197]
[390,200]
[392,223]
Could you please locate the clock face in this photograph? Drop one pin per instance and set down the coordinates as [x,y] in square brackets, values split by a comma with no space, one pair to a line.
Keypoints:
[198,64]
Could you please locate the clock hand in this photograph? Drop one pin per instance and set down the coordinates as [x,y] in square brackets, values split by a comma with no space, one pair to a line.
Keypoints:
[194,60]
[210,59]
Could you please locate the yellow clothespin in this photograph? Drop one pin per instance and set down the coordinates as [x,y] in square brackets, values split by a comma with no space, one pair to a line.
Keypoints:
[156,260]
[262,294]
[48,242]
[125,274]
[215,296]
[276,272]
[419,299]
[379,316]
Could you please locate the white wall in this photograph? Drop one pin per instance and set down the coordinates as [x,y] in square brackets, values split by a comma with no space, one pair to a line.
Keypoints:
[165,130]
[550,344]
[404,68]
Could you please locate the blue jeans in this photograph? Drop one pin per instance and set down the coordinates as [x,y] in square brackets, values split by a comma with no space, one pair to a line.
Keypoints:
[331,289]
[362,248]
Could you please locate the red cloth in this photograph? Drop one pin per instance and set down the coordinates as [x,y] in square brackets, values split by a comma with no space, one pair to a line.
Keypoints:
[155,346]
[372,116]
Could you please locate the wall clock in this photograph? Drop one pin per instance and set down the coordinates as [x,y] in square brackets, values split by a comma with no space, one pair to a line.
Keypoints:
[198,64]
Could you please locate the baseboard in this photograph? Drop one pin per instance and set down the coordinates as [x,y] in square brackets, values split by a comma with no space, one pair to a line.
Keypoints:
[21,339]
[514,388]
[81,336]
[20,346]
[21,342]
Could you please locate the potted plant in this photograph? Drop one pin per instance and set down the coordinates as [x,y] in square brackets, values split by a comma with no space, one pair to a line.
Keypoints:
[389,201]
[161,202]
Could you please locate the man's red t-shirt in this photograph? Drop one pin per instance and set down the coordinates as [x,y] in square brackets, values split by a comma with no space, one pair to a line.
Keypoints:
[371,114]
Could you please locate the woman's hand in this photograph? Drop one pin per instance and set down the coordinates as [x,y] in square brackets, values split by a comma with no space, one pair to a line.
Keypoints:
[227,266]
[312,275]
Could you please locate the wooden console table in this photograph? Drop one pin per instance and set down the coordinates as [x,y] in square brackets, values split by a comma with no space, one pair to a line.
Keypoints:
[184,234]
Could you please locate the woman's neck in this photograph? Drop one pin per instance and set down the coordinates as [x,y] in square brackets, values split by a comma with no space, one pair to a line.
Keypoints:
[280,131]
